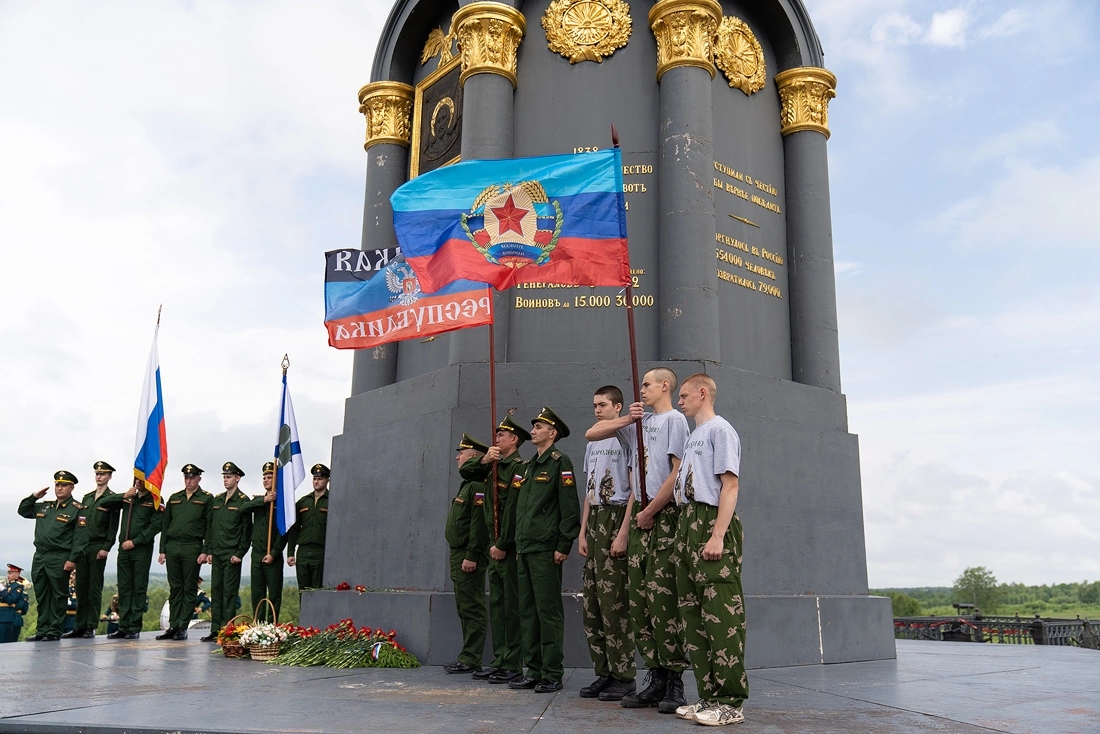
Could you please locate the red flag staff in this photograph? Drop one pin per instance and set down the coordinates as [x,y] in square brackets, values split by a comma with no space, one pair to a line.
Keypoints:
[493,417]
[634,364]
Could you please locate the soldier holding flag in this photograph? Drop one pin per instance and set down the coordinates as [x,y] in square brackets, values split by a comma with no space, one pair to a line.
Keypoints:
[267,550]
[139,525]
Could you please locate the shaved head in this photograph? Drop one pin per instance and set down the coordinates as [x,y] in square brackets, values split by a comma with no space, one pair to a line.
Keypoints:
[700,380]
[663,374]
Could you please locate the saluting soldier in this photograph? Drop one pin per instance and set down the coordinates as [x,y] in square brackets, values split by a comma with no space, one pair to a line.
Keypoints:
[467,544]
[267,567]
[138,527]
[605,527]
[182,539]
[101,505]
[59,538]
[306,538]
[228,532]
[13,604]
[546,526]
[501,542]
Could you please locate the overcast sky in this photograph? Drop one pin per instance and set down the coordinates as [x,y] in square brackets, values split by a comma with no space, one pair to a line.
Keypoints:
[203,155]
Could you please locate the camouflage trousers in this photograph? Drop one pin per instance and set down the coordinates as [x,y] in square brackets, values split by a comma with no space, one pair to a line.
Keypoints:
[606,615]
[652,558]
[712,606]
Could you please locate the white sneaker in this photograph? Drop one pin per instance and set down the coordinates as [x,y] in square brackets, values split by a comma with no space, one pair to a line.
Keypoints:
[720,715]
[688,712]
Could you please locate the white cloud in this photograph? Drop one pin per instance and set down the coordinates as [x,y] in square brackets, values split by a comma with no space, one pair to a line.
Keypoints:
[1028,138]
[1009,23]
[949,28]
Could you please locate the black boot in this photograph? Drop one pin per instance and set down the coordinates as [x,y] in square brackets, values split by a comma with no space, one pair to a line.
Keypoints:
[617,689]
[167,634]
[651,694]
[71,635]
[596,687]
[674,693]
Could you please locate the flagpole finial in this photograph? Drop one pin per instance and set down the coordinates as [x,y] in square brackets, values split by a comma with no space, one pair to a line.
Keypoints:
[614,136]
[286,364]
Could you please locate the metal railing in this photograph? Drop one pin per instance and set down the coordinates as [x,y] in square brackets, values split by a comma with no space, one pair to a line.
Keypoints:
[999,630]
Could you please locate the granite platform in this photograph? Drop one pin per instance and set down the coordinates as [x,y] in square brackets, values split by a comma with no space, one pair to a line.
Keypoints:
[141,686]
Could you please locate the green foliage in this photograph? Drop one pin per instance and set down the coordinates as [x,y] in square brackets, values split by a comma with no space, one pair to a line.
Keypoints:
[978,586]
[905,605]
[1062,601]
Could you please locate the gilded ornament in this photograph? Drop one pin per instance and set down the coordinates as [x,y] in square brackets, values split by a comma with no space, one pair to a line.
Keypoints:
[739,55]
[685,31]
[438,44]
[805,93]
[488,39]
[387,106]
[586,30]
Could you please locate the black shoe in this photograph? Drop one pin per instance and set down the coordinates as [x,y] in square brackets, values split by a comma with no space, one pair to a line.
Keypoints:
[548,686]
[522,683]
[460,667]
[116,635]
[73,634]
[596,687]
[88,634]
[167,634]
[504,676]
[35,638]
[484,673]
[617,689]
[208,638]
[50,638]
[133,635]
[652,694]
[674,693]
[180,635]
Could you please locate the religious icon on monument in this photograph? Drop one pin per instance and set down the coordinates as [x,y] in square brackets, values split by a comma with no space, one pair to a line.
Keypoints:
[437,119]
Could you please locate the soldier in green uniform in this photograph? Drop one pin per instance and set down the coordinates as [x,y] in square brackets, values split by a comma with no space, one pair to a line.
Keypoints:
[267,565]
[101,506]
[499,527]
[468,559]
[228,532]
[59,538]
[13,604]
[306,538]
[547,522]
[182,539]
[138,527]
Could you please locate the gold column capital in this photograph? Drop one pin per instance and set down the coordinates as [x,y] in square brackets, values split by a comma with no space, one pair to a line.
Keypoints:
[685,31]
[387,107]
[488,38]
[805,93]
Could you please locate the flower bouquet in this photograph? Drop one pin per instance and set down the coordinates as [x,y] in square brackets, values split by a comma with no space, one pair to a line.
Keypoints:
[229,638]
[343,646]
[263,640]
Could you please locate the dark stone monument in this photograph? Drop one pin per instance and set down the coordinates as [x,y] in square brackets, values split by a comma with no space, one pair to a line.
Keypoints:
[722,109]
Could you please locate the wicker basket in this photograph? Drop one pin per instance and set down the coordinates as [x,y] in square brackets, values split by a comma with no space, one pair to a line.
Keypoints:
[263,652]
[235,649]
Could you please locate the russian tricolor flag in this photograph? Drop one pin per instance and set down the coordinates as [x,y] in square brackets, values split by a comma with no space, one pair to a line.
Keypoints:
[552,219]
[152,445]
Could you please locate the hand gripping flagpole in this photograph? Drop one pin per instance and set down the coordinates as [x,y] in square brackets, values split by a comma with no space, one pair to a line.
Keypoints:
[156,333]
[634,363]
[493,417]
[275,478]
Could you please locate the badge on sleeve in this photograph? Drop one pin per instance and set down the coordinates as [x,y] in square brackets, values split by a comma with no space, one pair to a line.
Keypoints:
[82,521]
[479,498]
[567,478]
[517,481]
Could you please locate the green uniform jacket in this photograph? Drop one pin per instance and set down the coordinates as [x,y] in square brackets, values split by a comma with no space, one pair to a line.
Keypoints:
[185,519]
[547,510]
[59,526]
[102,519]
[466,513]
[310,522]
[259,510]
[229,524]
[506,497]
[145,523]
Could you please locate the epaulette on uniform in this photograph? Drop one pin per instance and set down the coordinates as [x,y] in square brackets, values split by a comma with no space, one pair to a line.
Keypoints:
[77,505]
[555,455]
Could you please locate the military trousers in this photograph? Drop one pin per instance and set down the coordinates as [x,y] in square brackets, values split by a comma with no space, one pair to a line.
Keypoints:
[606,604]
[11,623]
[504,613]
[51,590]
[133,586]
[309,565]
[469,589]
[267,583]
[541,614]
[89,585]
[8,632]
[712,606]
[225,589]
[654,607]
[183,581]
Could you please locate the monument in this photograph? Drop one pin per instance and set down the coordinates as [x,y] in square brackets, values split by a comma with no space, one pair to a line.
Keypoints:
[722,111]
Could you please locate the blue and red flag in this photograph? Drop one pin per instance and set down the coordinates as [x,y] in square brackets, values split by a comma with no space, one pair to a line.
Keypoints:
[152,444]
[365,308]
[553,219]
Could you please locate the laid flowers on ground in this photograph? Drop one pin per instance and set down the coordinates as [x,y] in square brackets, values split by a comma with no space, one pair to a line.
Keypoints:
[264,635]
[343,646]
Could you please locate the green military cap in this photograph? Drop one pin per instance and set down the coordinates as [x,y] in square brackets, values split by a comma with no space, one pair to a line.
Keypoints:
[471,443]
[230,468]
[320,470]
[102,466]
[269,467]
[510,425]
[551,418]
[192,469]
[65,477]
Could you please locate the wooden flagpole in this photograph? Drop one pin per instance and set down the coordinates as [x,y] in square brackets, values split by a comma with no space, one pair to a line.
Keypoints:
[275,475]
[493,415]
[634,364]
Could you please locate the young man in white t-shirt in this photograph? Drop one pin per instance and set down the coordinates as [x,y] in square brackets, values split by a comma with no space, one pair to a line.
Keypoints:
[651,549]
[708,581]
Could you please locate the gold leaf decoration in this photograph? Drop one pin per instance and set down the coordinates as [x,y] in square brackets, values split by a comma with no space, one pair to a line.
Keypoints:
[685,31]
[805,93]
[489,34]
[738,54]
[438,44]
[387,107]
[587,30]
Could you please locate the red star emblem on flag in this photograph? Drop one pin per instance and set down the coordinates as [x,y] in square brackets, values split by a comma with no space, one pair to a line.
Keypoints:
[510,217]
